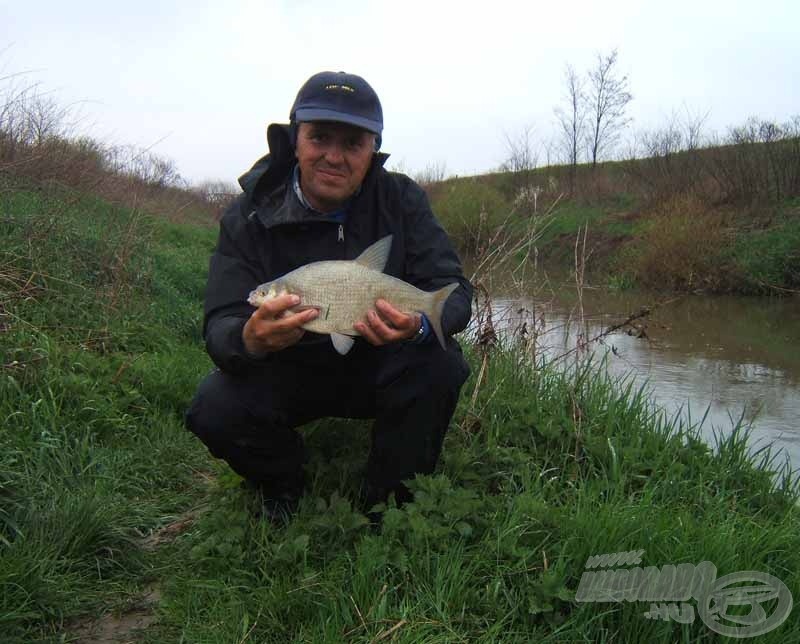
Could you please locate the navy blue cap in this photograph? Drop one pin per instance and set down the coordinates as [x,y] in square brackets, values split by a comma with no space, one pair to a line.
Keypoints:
[340,97]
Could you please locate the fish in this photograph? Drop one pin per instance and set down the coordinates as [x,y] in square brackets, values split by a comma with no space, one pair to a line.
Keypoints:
[345,290]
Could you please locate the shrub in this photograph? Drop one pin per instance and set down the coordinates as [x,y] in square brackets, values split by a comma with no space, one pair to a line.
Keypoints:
[680,249]
[469,207]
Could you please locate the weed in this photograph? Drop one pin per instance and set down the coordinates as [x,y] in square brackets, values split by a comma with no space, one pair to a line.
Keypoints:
[680,249]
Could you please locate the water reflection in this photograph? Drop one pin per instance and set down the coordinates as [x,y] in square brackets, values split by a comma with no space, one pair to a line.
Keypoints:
[734,356]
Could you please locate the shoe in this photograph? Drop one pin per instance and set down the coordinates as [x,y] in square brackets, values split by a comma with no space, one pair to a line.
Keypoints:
[278,500]
[371,494]
[278,510]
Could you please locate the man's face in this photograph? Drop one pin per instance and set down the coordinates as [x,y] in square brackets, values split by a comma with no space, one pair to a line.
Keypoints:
[334,159]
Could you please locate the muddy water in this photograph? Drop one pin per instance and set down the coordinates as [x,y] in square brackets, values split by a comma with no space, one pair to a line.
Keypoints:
[732,356]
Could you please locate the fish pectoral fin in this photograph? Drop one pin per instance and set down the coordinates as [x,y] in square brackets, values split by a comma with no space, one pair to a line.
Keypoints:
[376,256]
[342,343]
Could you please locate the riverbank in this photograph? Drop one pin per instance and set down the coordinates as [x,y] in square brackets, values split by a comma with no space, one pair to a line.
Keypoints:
[722,358]
[680,239]
[112,515]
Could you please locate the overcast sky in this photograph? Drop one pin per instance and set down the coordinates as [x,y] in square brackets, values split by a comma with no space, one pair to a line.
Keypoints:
[202,82]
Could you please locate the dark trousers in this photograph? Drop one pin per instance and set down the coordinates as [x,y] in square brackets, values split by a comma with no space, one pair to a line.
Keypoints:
[410,390]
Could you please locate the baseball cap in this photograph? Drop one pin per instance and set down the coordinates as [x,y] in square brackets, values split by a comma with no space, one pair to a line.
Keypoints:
[341,97]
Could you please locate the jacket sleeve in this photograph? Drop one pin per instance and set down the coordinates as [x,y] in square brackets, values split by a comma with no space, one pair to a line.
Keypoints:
[431,261]
[232,274]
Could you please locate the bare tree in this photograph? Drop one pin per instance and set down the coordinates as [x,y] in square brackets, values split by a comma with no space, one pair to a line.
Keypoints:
[520,155]
[572,120]
[434,172]
[44,118]
[398,165]
[607,100]
[550,146]
[217,193]
[693,124]
[667,160]
[521,158]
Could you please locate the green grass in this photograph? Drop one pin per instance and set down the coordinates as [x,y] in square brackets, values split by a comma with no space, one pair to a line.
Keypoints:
[748,249]
[549,468]
[768,259]
[468,208]
[569,218]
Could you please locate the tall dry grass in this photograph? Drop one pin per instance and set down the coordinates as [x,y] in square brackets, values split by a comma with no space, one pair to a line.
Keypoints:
[681,248]
[41,146]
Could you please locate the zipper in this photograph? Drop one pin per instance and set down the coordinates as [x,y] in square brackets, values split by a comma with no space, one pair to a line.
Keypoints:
[341,233]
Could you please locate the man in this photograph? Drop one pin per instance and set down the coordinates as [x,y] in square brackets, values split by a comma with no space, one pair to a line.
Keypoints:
[322,193]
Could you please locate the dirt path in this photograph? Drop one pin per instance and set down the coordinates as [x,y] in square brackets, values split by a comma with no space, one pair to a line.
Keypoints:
[124,627]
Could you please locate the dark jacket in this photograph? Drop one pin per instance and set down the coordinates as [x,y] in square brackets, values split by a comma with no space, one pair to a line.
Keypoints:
[267,232]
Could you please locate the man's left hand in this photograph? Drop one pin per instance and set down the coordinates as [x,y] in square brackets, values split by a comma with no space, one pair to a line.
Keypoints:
[386,324]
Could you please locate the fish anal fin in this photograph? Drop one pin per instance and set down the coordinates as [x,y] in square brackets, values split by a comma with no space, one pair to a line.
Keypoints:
[342,343]
[376,256]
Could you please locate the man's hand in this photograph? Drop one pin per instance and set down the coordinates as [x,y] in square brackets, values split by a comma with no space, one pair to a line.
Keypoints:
[272,327]
[388,325]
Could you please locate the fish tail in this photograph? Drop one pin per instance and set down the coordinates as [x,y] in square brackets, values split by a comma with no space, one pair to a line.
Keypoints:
[434,314]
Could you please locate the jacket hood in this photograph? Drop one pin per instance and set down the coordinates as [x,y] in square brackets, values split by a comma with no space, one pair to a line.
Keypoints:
[271,170]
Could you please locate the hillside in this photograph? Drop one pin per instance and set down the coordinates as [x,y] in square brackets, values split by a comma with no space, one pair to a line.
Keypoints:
[718,219]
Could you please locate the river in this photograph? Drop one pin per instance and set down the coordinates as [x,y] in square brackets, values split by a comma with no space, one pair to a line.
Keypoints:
[728,355]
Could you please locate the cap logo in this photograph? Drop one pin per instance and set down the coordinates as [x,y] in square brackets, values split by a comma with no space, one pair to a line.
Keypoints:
[337,86]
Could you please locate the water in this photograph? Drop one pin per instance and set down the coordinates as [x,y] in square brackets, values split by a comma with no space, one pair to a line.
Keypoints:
[733,356]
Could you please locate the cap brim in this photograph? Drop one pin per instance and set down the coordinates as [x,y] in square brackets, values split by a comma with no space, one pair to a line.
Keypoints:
[313,114]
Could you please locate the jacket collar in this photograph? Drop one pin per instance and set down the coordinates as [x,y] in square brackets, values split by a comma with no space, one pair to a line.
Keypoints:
[288,210]
[271,170]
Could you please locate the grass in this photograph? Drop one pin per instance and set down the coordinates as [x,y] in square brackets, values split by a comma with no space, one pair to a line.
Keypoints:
[768,258]
[680,241]
[468,207]
[105,496]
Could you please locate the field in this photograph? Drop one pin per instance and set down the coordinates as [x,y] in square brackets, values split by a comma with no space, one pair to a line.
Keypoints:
[114,519]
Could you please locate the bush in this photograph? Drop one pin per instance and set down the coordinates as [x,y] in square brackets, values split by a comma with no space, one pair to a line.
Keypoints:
[682,248]
[468,209]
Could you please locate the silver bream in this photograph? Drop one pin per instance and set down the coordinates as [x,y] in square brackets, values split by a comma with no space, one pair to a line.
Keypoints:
[345,290]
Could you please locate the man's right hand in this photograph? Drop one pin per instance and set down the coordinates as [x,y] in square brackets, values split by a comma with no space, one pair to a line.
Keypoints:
[272,327]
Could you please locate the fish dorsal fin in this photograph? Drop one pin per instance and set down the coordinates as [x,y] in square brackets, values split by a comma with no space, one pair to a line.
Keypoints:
[342,343]
[376,256]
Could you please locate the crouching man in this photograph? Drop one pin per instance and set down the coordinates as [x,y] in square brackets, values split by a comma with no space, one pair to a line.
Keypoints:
[322,193]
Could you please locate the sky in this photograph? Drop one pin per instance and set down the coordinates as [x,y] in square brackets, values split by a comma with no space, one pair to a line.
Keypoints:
[200,81]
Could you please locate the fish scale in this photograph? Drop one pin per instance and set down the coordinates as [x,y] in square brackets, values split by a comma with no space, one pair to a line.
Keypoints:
[358,288]
[345,290]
